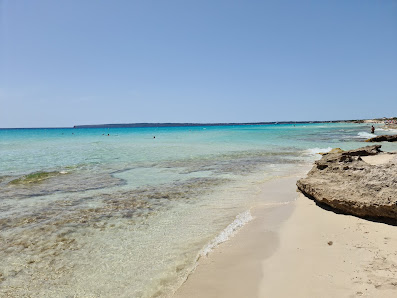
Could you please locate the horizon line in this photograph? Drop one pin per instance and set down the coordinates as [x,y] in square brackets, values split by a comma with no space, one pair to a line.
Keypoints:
[182,124]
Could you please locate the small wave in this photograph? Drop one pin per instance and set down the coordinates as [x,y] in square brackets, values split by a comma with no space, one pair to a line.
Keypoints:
[225,235]
[364,135]
[391,130]
[228,232]
[318,150]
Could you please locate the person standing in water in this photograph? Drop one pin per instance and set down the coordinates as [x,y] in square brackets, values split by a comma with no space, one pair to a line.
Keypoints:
[372,129]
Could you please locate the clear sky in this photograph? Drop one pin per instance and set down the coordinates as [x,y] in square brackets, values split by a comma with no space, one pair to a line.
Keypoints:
[64,63]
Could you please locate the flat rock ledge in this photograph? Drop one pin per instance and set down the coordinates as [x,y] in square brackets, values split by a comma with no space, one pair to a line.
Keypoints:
[347,184]
[384,138]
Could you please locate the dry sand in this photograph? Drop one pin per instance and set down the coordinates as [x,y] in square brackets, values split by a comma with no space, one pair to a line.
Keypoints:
[379,159]
[300,250]
[323,254]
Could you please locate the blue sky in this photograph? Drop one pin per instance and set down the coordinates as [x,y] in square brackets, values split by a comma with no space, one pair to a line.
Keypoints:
[64,63]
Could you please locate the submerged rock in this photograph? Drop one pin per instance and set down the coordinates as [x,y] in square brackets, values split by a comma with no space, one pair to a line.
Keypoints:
[343,181]
[34,178]
[384,138]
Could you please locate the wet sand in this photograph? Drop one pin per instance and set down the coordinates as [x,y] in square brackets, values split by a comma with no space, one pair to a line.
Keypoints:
[300,250]
[234,269]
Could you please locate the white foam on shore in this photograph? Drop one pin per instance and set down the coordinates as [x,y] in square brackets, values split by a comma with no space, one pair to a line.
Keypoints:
[365,135]
[240,220]
[227,233]
[318,150]
[391,130]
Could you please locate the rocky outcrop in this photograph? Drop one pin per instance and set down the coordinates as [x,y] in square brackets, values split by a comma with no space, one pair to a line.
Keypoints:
[384,138]
[343,181]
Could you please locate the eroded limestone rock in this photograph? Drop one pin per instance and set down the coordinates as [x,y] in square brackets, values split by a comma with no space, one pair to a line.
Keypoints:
[384,138]
[342,180]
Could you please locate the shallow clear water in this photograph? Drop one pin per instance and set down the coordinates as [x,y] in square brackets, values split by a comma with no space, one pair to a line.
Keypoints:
[86,214]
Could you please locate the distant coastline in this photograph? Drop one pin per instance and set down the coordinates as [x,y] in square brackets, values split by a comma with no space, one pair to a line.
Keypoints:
[143,125]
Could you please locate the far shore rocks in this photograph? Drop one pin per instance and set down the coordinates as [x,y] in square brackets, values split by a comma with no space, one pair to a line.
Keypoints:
[343,181]
[383,138]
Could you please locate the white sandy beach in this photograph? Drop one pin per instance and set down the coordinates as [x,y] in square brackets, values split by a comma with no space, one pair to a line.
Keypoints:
[300,250]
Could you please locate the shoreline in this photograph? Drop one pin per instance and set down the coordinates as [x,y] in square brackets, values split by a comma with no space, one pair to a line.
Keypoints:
[233,269]
[299,249]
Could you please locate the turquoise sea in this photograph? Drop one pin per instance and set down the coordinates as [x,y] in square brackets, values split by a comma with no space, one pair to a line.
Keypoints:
[127,212]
